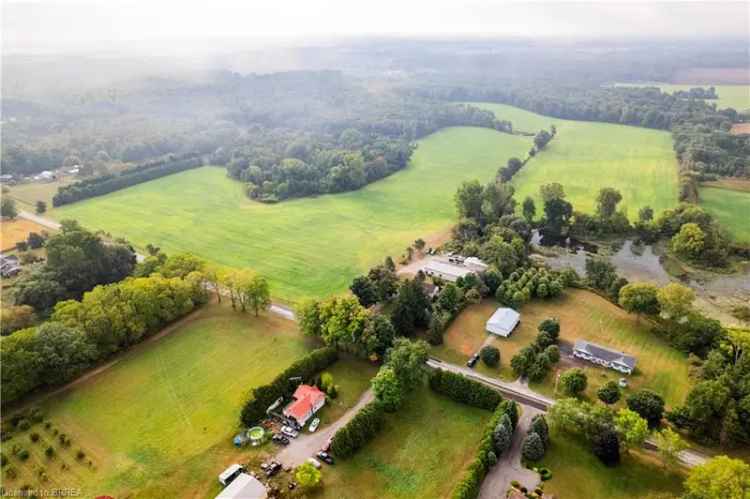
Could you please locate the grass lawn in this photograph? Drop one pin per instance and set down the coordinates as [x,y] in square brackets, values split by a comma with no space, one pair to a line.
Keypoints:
[586,156]
[13,231]
[160,421]
[730,207]
[583,315]
[27,194]
[420,452]
[734,96]
[352,377]
[308,247]
[577,473]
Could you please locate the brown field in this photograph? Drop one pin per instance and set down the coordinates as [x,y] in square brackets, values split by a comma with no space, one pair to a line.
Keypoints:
[712,76]
[13,231]
[740,129]
[731,183]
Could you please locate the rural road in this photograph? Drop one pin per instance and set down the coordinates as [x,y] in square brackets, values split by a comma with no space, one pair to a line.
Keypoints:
[509,466]
[308,444]
[44,222]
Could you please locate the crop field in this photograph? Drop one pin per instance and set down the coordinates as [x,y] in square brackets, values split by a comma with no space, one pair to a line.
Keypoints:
[428,440]
[586,156]
[13,231]
[730,207]
[576,473]
[308,247]
[160,420]
[582,315]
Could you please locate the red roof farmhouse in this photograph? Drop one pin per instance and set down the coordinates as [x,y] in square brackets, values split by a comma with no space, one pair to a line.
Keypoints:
[307,401]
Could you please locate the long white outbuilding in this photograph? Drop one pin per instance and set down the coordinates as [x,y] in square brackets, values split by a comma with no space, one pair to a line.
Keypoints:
[503,321]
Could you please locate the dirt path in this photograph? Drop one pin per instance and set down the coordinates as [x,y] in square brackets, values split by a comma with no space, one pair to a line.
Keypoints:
[509,467]
[308,444]
[44,222]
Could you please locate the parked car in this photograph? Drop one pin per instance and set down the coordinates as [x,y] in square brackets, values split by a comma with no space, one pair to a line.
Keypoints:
[314,425]
[623,383]
[280,439]
[473,360]
[273,468]
[325,457]
[289,431]
[314,462]
[230,474]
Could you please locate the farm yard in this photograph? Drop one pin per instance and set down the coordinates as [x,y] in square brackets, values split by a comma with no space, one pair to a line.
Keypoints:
[576,472]
[306,247]
[429,438]
[13,231]
[582,315]
[160,420]
[586,156]
[730,207]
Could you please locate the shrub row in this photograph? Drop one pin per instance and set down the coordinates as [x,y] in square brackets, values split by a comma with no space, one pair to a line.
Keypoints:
[468,486]
[282,386]
[359,430]
[109,183]
[464,390]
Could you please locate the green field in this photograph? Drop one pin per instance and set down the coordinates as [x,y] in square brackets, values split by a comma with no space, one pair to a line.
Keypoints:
[731,209]
[734,96]
[308,247]
[586,156]
[160,421]
[582,315]
[577,473]
[420,452]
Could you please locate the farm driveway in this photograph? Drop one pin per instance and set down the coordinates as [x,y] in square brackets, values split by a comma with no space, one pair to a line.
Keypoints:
[509,467]
[308,444]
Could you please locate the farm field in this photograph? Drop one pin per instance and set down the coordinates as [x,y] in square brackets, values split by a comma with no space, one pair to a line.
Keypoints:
[161,419]
[730,207]
[586,156]
[13,231]
[734,96]
[576,472]
[309,247]
[582,315]
[429,439]
[27,194]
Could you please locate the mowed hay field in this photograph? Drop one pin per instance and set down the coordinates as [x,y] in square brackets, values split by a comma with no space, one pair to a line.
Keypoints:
[159,422]
[420,452]
[13,231]
[586,156]
[308,247]
[731,208]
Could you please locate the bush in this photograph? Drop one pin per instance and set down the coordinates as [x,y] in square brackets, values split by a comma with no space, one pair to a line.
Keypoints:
[545,474]
[502,436]
[34,436]
[573,381]
[532,448]
[540,427]
[24,425]
[609,393]
[359,430]
[10,473]
[551,326]
[605,445]
[80,454]
[3,459]
[263,396]
[552,353]
[648,405]
[49,452]
[23,454]
[490,355]
[463,390]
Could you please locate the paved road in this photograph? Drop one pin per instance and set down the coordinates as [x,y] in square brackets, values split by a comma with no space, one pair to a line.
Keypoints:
[509,467]
[308,444]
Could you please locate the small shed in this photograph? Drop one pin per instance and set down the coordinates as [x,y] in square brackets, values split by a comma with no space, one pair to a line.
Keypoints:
[503,321]
[244,486]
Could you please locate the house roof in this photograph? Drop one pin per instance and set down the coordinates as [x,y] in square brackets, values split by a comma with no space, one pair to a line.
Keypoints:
[504,319]
[244,487]
[305,397]
[605,353]
[446,268]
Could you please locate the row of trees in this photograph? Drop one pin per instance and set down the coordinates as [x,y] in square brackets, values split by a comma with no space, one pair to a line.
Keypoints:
[534,361]
[104,184]
[108,319]
[359,430]
[283,385]
[463,390]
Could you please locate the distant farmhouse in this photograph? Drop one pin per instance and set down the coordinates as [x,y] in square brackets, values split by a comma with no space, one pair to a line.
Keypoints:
[9,266]
[605,357]
[307,401]
[503,321]
[450,268]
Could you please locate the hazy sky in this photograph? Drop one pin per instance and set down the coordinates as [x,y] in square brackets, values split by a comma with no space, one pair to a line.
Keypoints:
[67,23]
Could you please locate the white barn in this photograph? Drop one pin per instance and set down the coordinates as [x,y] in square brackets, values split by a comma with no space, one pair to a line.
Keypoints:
[503,321]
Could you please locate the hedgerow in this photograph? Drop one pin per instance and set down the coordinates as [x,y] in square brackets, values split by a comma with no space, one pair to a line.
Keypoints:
[359,430]
[464,390]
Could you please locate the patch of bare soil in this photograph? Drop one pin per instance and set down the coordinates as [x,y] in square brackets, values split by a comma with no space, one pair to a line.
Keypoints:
[740,129]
